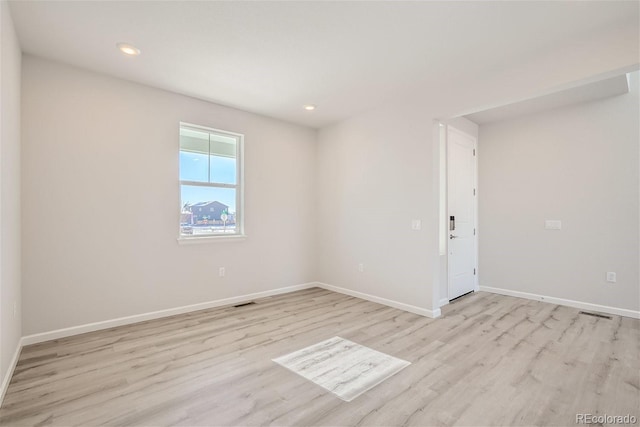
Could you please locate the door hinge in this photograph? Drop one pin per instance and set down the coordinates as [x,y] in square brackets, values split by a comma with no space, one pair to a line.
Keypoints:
[474,151]
[474,191]
[474,271]
[474,231]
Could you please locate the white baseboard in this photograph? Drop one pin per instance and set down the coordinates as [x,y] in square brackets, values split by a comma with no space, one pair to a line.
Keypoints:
[561,301]
[121,321]
[12,366]
[105,324]
[395,304]
[444,301]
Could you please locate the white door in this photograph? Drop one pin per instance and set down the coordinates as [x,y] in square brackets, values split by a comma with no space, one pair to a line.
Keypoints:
[461,194]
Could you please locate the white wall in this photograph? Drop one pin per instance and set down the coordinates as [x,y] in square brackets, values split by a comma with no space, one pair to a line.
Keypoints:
[101,198]
[577,164]
[375,176]
[463,124]
[380,169]
[10,292]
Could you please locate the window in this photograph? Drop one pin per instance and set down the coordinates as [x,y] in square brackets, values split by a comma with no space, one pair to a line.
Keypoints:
[210,182]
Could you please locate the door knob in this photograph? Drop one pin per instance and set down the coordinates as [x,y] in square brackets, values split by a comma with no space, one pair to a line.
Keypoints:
[451,236]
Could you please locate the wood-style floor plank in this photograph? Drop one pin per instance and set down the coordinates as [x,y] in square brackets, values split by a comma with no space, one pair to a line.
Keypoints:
[489,360]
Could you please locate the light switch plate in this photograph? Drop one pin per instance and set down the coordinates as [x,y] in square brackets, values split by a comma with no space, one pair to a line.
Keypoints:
[553,224]
[416,224]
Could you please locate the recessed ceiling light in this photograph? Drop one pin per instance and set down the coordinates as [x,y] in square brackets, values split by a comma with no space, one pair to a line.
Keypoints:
[309,107]
[128,49]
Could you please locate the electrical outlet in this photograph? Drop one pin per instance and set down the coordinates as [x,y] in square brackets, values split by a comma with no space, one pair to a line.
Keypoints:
[611,277]
[221,271]
[553,224]
[361,268]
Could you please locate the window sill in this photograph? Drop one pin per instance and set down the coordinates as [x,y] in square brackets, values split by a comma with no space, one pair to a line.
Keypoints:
[211,239]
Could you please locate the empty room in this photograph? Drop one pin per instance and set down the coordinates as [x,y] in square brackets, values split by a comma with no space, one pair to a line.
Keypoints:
[319,213]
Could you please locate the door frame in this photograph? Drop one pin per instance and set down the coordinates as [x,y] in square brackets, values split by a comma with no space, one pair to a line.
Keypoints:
[476,282]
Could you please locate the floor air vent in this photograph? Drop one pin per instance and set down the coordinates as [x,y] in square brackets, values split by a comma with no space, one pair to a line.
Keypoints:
[602,316]
[243,304]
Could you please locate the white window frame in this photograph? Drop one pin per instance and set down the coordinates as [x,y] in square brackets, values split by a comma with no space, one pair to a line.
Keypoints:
[238,186]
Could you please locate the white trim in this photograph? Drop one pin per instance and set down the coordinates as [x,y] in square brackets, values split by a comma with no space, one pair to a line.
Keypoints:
[211,239]
[444,301]
[96,326]
[12,366]
[567,302]
[210,129]
[443,208]
[105,324]
[206,184]
[238,186]
[552,90]
[390,303]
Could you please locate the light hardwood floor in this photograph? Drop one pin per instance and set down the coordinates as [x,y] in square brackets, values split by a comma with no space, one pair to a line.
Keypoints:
[489,360]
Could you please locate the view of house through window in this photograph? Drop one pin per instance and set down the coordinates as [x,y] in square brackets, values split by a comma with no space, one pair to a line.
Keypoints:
[209,182]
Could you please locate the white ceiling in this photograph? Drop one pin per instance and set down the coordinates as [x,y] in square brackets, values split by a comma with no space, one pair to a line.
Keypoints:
[272,57]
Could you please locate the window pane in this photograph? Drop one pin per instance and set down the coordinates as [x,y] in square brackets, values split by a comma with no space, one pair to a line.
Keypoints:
[223,158]
[193,166]
[223,145]
[194,155]
[223,169]
[207,210]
